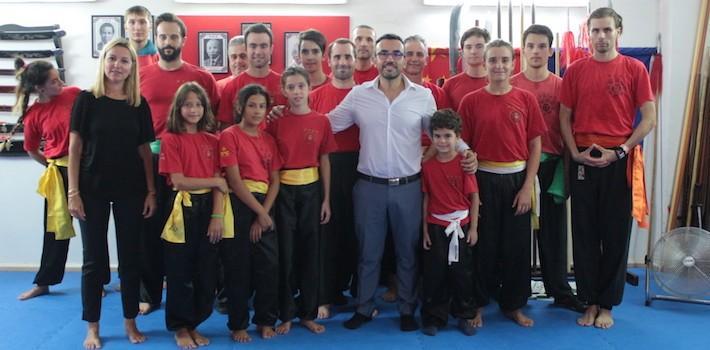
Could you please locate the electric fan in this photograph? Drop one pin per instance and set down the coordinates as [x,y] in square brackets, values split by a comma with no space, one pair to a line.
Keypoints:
[681,264]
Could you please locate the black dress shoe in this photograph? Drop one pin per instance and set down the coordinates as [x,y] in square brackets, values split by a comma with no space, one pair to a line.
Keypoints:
[570,302]
[407,323]
[356,321]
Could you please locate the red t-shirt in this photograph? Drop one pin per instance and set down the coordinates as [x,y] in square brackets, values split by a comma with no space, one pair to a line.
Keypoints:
[461,84]
[49,121]
[272,83]
[302,139]
[159,86]
[147,60]
[361,76]
[547,93]
[324,83]
[440,97]
[223,82]
[499,127]
[449,188]
[604,96]
[256,156]
[325,99]
[193,155]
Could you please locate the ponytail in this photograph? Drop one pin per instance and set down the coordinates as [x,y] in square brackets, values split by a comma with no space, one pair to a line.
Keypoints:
[29,77]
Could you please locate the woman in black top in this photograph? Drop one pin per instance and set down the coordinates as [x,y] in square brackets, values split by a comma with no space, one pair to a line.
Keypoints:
[110,167]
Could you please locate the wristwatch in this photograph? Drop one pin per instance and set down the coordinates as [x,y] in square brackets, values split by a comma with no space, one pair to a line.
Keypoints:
[621,151]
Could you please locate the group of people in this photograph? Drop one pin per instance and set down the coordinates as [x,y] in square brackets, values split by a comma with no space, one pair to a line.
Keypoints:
[287,186]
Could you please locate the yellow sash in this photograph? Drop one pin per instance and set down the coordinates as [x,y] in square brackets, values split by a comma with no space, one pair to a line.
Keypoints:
[174,230]
[51,187]
[256,186]
[506,168]
[303,176]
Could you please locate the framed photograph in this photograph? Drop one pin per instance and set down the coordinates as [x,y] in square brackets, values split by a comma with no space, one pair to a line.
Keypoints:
[246,25]
[212,48]
[151,30]
[103,30]
[291,57]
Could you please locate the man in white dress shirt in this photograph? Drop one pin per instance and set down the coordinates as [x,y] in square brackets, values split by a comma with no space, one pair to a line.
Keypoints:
[391,113]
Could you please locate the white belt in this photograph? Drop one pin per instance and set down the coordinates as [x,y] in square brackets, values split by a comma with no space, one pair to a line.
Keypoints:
[454,220]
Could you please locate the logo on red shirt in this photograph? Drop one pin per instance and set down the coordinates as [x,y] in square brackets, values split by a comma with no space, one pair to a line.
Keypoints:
[615,86]
[515,116]
[547,103]
[455,181]
[310,135]
[224,152]
[207,151]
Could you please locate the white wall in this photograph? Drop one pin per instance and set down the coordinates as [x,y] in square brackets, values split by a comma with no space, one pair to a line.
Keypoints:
[20,216]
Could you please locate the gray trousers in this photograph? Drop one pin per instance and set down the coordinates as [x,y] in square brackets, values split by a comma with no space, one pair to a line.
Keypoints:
[376,207]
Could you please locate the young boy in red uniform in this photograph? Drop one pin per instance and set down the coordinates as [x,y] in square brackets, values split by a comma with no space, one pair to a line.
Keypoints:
[251,259]
[304,139]
[450,222]
[552,236]
[503,124]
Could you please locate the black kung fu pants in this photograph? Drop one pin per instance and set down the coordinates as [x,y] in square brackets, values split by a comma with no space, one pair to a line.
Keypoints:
[503,248]
[54,251]
[601,226]
[297,223]
[191,268]
[447,289]
[250,267]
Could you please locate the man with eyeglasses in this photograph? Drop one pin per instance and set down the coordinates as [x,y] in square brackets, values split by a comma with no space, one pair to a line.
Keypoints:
[391,113]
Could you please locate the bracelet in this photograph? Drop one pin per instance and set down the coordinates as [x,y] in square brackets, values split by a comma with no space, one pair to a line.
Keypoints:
[217,216]
[151,193]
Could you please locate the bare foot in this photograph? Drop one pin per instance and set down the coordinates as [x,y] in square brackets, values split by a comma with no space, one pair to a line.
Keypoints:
[184,340]
[604,319]
[283,328]
[92,340]
[34,292]
[390,295]
[134,335]
[589,316]
[324,311]
[519,317]
[103,292]
[144,308]
[313,326]
[199,339]
[478,320]
[267,332]
[241,336]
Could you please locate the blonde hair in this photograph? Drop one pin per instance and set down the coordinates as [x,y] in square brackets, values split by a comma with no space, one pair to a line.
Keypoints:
[131,86]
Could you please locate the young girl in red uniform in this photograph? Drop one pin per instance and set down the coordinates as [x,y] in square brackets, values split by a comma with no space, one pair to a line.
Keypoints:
[48,119]
[304,139]
[189,158]
[251,160]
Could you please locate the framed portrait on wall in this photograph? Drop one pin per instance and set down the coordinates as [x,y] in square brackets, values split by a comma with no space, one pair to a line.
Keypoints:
[212,48]
[246,25]
[103,30]
[291,57]
[151,30]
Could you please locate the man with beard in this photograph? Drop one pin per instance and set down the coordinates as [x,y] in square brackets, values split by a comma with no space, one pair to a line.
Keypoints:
[474,76]
[159,82]
[339,259]
[552,236]
[138,30]
[259,41]
[238,62]
[311,46]
[600,95]
[364,39]
[391,113]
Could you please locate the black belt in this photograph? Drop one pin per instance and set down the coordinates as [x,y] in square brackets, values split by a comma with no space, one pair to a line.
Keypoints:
[395,181]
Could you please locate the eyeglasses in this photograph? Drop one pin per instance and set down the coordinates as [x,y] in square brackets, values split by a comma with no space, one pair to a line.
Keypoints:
[396,55]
